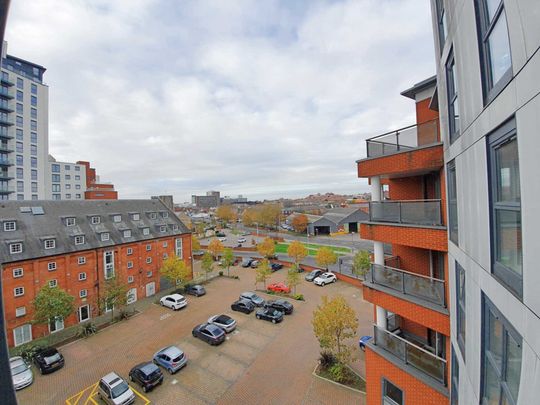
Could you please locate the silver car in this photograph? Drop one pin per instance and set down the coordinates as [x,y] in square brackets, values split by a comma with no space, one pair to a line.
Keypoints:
[114,390]
[225,322]
[20,372]
[171,358]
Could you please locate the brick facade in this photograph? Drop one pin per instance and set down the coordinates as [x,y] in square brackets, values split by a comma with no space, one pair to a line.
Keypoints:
[36,274]
[424,238]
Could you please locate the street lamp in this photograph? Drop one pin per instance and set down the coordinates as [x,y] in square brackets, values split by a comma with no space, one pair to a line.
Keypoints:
[352,242]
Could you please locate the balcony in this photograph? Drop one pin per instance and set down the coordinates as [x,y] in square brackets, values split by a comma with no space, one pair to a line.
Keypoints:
[5,176]
[417,286]
[5,93]
[4,106]
[405,351]
[5,122]
[6,162]
[4,148]
[6,82]
[5,189]
[409,212]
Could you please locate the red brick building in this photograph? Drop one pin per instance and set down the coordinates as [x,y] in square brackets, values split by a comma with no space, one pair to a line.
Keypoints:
[94,189]
[407,359]
[76,245]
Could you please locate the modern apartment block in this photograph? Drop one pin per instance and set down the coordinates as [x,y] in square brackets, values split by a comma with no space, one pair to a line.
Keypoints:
[407,361]
[24,129]
[77,246]
[67,181]
[488,74]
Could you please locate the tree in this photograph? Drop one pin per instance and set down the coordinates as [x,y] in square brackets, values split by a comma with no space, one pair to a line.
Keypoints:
[226,213]
[325,257]
[267,248]
[113,295]
[227,259]
[297,251]
[199,228]
[293,277]
[249,217]
[334,321]
[263,273]
[215,247]
[361,263]
[195,243]
[176,271]
[207,264]
[269,214]
[52,303]
[300,223]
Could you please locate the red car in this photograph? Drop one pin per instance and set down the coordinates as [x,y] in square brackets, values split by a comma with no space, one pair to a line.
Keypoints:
[279,287]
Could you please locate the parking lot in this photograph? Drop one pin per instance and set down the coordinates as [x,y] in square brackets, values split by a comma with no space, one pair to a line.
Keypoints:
[258,363]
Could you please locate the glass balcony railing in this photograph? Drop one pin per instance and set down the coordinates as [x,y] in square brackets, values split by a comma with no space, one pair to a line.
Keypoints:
[411,354]
[414,212]
[6,162]
[5,92]
[404,139]
[6,189]
[415,285]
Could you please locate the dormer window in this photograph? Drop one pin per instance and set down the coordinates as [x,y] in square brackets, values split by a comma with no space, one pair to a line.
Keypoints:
[15,248]
[146,231]
[153,215]
[135,216]
[165,215]
[127,233]
[79,239]
[95,220]
[70,221]
[175,227]
[50,243]
[10,226]
[117,218]
[163,228]
[105,236]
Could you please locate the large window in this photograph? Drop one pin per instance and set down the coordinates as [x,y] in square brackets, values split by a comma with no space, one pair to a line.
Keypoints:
[22,334]
[392,395]
[494,46]
[454,392]
[84,313]
[108,259]
[452,203]
[178,248]
[460,307]
[505,194]
[452,92]
[501,358]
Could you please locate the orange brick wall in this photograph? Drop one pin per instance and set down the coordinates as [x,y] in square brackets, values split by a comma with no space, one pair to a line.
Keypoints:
[415,392]
[406,188]
[425,238]
[430,158]
[417,313]
[412,259]
[424,113]
[101,195]
[36,275]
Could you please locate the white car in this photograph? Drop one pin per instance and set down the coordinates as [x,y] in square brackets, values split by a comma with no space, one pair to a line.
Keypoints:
[222,239]
[225,322]
[174,301]
[242,240]
[21,373]
[325,278]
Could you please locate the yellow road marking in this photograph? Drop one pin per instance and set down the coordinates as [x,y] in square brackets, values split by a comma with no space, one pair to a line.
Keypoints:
[147,401]
[91,390]
[92,393]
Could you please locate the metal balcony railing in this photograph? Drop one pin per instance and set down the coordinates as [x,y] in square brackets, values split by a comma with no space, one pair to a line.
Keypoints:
[416,285]
[409,353]
[414,212]
[404,139]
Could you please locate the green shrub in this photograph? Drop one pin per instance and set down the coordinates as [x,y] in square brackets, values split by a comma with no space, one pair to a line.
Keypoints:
[28,351]
[338,372]
[270,292]
[220,273]
[299,297]
[87,329]
[327,360]
[236,278]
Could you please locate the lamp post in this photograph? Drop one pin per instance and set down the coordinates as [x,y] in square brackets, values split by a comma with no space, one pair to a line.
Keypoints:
[352,242]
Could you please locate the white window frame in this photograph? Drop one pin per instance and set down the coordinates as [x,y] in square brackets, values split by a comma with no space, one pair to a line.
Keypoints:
[153,215]
[15,248]
[108,268]
[49,244]
[127,233]
[82,276]
[117,218]
[79,240]
[146,231]
[83,293]
[178,245]
[95,220]
[165,244]
[165,256]
[136,217]
[81,260]
[130,265]
[165,215]
[18,272]
[79,313]
[20,294]
[129,251]
[71,221]
[28,332]
[163,228]
[105,236]
[58,325]
[149,273]
[53,283]
[51,266]
[130,279]
[148,248]
[20,311]
[175,227]
[148,260]
[10,226]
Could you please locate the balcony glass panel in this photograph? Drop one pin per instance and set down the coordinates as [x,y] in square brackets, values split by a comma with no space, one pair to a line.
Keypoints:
[414,212]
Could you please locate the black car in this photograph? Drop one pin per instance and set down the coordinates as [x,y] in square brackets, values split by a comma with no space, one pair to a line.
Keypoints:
[196,290]
[220,234]
[244,306]
[281,305]
[147,375]
[314,274]
[210,333]
[48,360]
[269,314]
[276,266]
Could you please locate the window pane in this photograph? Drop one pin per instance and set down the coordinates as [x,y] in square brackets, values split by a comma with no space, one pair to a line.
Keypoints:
[495,344]
[508,172]
[492,389]
[513,366]
[499,49]
[393,392]
[508,239]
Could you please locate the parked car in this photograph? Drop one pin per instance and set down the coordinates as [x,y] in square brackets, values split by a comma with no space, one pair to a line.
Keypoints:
[147,375]
[242,240]
[281,305]
[246,233]
[171,358]
[48,360]
[243,305]
[272,257]
[222,239]
[275,266]
[279,287]
[174,301]
[196,290]
[325,278]
[220,234]
[21,373]
[269,314]
[363,340]
[113,390]
[225,322]
[209,333]
[312,275]
[246,261]
[254,298]
[254,264]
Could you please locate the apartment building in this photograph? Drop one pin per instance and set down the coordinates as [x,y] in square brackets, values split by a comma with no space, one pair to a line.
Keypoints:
[488,70]
[77,246]
[407,361]
[95,189]
[24,129]
[67,180]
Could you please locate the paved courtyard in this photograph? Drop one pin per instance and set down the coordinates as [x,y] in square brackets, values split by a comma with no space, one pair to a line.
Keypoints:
[259,363]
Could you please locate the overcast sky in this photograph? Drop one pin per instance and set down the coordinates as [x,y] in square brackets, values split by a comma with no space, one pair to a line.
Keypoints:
[255,97]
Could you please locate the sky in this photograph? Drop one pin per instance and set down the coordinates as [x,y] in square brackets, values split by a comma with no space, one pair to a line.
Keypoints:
[255,97]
